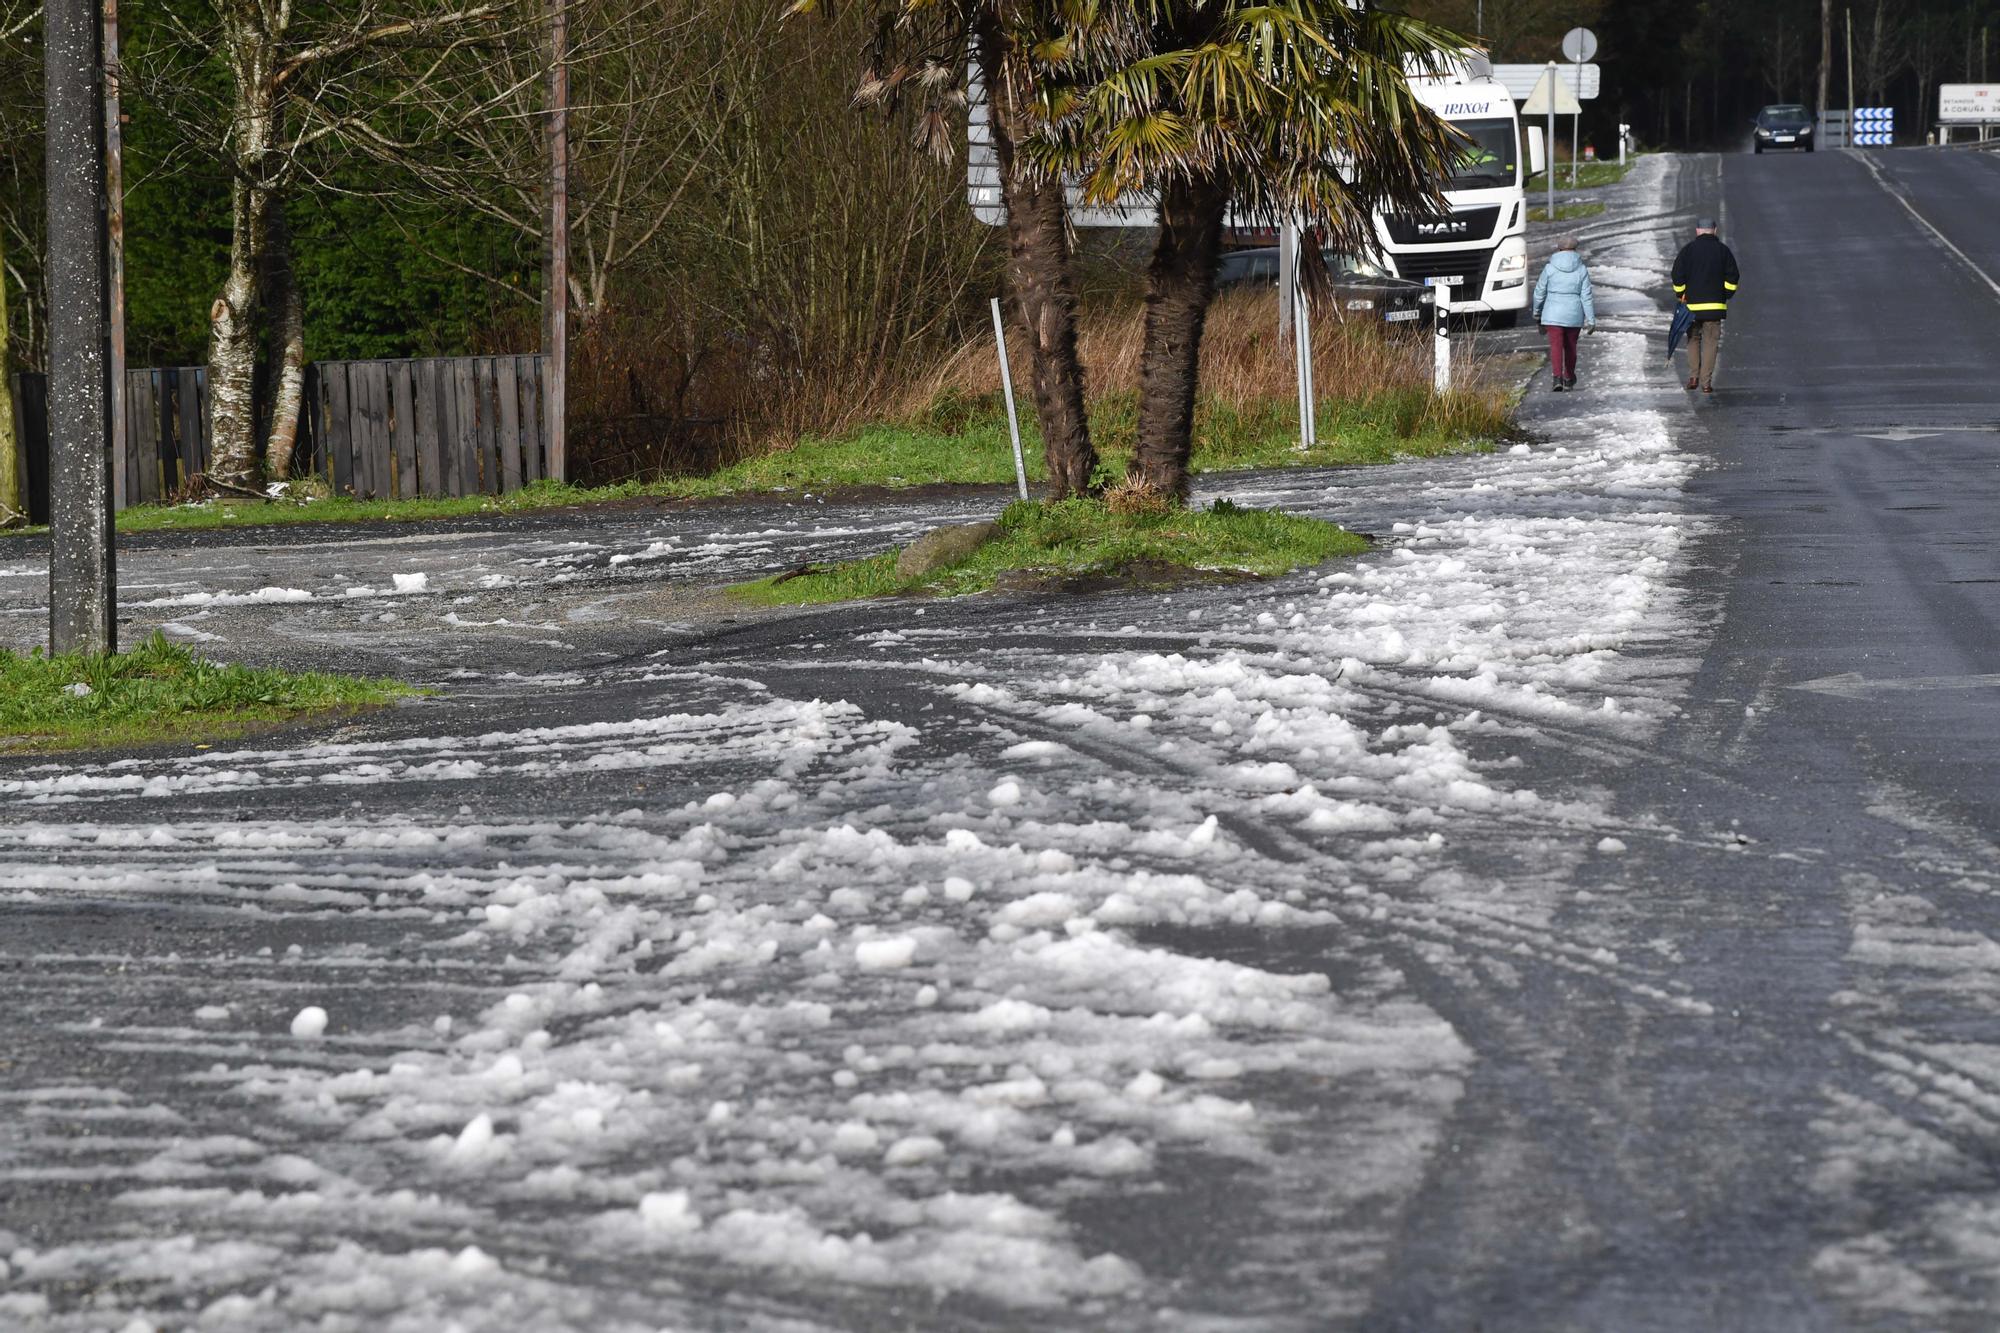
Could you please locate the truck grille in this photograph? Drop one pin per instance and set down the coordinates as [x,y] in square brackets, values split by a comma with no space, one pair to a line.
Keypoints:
[1465,224]
[1470,265]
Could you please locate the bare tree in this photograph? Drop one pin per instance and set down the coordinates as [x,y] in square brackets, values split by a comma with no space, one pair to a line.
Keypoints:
[305,89]
[1880,50]
[648,114]
[18,127]
[1527,30]
[1931,57]
[1825,52]
[12,510]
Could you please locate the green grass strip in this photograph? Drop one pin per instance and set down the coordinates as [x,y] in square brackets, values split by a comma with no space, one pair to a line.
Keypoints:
[160,691]
[1566,212]
[1593,175]
[959,440]
[1083,537]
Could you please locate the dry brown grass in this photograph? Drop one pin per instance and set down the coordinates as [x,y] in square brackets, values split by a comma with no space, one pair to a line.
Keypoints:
[1133,495]
[1243,362]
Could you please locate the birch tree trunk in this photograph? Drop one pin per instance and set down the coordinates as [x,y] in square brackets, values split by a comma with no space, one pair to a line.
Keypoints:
[288,345]
[12,507]
[252,35]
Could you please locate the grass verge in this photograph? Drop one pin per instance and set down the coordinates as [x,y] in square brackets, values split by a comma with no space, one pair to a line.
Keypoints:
[160,691]
[1594,175]
[1566,212]
[1085,537]
[951,427]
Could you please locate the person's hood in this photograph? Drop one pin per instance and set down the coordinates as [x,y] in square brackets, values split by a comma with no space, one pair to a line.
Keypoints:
[1565,261]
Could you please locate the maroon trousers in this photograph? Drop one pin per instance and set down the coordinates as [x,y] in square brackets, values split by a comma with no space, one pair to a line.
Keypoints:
[1562,351]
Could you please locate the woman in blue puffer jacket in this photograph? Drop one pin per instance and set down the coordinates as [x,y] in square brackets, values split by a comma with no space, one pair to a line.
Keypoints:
[1564,308]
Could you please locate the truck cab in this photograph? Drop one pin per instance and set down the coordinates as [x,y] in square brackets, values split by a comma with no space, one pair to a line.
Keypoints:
[1479,246]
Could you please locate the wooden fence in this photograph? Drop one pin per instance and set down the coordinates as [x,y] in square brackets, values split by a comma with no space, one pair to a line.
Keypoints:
[434,426]
[31,436]
[467,425]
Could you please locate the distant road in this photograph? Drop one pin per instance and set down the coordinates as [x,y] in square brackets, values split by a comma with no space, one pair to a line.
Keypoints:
[1858,424]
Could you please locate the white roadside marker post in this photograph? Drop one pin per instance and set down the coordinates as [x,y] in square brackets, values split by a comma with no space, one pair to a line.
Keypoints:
[1007,388]
[1288,263]
[1302,363]
[1441,370]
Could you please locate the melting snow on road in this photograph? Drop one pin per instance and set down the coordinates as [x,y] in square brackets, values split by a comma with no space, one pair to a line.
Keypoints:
[843,1013]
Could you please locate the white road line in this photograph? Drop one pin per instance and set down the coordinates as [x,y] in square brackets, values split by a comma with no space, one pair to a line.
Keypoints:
[1911,209]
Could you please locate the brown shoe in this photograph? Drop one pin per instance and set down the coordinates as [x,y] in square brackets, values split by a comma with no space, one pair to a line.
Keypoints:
[1708,388]
[1693,383]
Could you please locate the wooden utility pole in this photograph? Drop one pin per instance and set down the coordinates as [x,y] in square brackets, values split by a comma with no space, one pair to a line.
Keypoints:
[1825,56]
[557,339]
[1850,76]
[114,218]
[13,504]
[83,612]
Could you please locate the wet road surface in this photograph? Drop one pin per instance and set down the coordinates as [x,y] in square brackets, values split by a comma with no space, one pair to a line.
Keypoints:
[1577,914]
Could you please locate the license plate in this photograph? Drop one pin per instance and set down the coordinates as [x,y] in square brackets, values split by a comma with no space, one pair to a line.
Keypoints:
[1786,138]
[1395,315]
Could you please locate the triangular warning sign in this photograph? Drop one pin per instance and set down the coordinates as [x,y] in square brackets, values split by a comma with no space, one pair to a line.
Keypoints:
[1553,93]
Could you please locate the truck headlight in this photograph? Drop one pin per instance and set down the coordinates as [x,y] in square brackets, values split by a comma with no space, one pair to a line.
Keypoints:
[1512,264]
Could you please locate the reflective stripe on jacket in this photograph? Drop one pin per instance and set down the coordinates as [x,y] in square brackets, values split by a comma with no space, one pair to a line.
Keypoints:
[1705,277]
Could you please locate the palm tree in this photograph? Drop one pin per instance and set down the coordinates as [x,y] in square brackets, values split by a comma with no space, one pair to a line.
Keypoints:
[919,61]
[1281,109]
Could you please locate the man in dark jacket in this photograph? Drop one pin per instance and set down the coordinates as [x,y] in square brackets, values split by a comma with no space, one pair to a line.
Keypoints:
[1705,277]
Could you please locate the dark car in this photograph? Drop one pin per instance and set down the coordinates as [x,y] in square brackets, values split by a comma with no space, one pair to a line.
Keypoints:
[1360,285]
[1787,126]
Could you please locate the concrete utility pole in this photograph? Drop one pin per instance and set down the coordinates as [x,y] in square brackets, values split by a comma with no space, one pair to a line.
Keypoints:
[83,612]
[114,216]
[558,325]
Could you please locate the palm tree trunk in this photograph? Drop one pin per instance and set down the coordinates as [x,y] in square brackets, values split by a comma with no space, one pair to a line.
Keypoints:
[288,339]
[1180,283]
[1043,284]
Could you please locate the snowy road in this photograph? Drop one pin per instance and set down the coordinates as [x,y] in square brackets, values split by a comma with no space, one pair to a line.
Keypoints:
[1417,943]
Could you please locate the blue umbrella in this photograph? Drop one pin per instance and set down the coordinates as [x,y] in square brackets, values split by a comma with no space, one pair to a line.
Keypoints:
[1683,321]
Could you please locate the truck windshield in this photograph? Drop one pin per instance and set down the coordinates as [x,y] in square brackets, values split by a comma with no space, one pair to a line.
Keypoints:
[1488,155]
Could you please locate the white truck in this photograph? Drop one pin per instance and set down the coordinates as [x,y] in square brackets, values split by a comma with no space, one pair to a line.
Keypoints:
[1479,248]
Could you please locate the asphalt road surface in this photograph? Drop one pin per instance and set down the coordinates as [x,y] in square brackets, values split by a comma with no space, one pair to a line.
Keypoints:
[1581,913]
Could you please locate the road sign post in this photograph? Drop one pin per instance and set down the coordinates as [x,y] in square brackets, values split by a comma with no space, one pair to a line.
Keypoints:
[1579,45]
[1007,390]
[83,613]
[1550,96]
